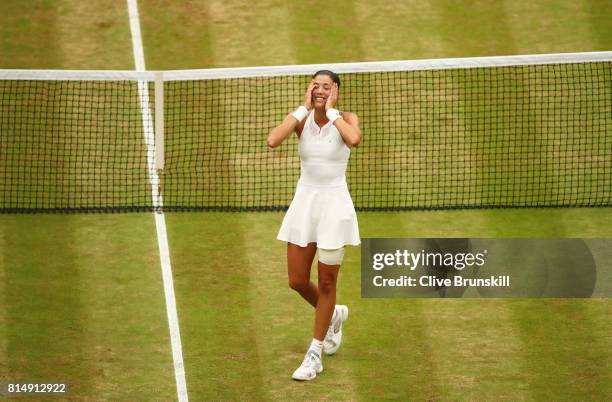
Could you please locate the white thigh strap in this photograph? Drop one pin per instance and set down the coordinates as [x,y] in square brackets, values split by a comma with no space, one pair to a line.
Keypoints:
[331,257]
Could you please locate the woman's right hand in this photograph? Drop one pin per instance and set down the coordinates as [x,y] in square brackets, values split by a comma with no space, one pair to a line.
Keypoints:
[289,125]
[308,96]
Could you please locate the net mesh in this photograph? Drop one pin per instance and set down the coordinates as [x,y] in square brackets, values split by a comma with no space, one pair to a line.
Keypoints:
[520,136]
[516,136]
[72,145]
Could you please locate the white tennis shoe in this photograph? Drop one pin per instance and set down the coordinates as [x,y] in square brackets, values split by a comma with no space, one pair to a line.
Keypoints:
[310,367]
[332,340]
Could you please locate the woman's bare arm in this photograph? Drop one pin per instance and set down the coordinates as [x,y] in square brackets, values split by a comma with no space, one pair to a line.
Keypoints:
[282,131]
[348,126]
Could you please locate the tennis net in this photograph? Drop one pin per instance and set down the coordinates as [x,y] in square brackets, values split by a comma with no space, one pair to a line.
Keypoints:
[518,131]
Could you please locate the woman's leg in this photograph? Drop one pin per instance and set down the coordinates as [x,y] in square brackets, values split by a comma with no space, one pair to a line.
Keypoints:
[328,276]
[299,261]
[322,297]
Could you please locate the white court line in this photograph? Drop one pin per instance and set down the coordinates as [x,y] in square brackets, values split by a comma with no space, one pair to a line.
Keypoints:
[160,221]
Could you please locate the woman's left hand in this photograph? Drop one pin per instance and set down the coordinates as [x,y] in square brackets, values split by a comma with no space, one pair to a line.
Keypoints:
[332,98]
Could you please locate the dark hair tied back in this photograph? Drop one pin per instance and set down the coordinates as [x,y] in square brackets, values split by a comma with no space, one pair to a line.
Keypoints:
[330,74]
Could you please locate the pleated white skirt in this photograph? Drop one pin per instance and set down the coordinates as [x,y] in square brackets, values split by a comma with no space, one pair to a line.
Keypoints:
[323,215]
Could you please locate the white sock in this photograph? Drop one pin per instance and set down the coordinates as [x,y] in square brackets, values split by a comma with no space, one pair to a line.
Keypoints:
[316,346]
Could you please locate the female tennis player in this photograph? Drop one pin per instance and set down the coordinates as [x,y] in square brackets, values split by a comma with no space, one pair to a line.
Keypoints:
[321,216]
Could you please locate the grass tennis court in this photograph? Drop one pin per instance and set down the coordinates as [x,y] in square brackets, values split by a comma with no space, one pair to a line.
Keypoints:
[82,297]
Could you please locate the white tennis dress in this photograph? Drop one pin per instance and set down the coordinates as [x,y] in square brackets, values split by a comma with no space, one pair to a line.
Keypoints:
[322,210]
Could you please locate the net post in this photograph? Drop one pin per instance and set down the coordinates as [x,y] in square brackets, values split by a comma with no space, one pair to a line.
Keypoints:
[159,120]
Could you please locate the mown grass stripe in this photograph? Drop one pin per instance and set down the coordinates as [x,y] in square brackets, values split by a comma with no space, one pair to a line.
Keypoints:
[64,34]
[390,335]
[81,28]
[211,279]
[170,42]
[24,28]
[4,362]
[79,308]
[565,342]
[599,12]
[381,39]
[125,326]
[44,301]
[473,359]
[566,349]
[477,28]
[325,32]
[526,355]
[236,33]
[559,27]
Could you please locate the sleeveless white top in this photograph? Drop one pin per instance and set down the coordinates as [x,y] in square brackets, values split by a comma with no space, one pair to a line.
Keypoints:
[322,210]
[323,155]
